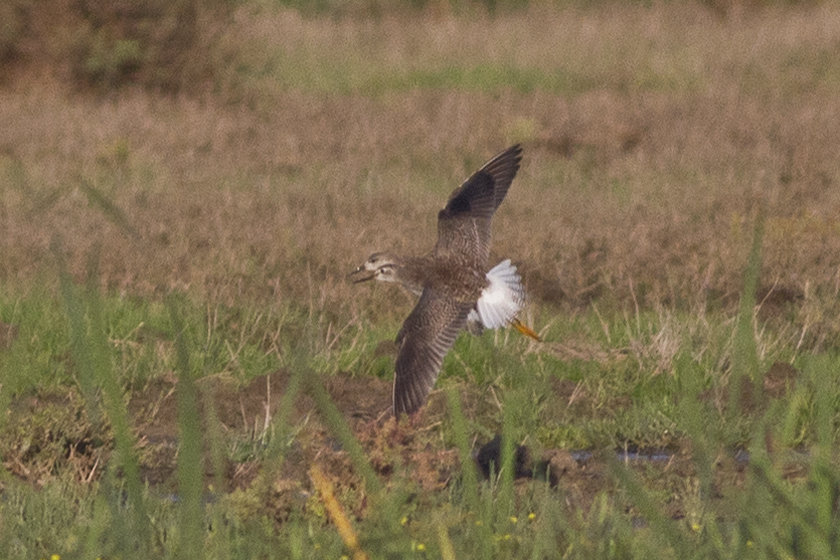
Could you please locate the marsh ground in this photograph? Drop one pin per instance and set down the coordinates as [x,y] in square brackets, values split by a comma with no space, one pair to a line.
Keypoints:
[655,138]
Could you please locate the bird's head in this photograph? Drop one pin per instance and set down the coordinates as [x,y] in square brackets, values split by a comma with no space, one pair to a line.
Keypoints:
[379,266]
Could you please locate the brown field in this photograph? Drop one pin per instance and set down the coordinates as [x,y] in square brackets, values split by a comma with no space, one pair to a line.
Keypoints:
[641,175]
[654,137]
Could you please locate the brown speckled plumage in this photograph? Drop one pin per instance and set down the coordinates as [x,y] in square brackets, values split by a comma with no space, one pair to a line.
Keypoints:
[450,279]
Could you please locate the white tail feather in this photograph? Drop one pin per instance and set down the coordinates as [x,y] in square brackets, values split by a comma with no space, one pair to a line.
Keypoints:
[502,299]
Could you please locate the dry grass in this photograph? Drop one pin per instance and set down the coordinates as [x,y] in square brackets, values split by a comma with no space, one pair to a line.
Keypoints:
[652,136]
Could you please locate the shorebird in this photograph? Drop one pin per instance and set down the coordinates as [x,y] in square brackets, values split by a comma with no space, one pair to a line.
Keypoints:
[453,282]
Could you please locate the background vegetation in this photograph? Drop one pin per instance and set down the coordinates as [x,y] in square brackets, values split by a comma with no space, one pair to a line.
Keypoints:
[186,371]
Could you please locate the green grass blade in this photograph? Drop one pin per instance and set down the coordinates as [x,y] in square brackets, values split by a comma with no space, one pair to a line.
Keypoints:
[744,352]
[338,426]
[506,471]
[109,209]
[665,529]
[89,346]
[190,471]
[280,424]
[469,473]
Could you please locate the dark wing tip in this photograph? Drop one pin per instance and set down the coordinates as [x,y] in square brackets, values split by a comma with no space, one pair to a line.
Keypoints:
[515,152]
[407,403]
[482,193]
[415,375]
[502,168]
[504,165]
[509,157]
[475,197]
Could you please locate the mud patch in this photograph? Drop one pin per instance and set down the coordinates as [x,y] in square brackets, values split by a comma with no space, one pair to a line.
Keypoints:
[246,414]
[50,435]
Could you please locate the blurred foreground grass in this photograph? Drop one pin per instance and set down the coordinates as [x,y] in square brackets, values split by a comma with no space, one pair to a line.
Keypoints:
[179,346]
[781,501]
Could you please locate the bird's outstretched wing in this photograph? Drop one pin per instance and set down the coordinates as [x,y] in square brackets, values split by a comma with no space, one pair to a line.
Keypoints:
[424,339]
[464,224]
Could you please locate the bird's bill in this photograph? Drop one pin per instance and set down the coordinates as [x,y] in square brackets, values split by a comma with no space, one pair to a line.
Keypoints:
[361,274]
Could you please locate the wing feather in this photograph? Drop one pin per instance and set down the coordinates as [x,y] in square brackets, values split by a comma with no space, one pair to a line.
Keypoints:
[424,339]
[464,223]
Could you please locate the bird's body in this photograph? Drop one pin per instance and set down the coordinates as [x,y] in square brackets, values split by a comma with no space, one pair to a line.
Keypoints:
[453,281]
[446,275]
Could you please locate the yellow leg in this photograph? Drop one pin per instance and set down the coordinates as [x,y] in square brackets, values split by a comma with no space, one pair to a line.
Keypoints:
[526,330]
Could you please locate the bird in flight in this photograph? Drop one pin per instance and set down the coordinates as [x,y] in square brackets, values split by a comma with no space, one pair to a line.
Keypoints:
[453,282]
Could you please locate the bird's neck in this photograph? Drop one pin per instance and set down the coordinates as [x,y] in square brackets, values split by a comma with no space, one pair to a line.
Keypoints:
[412,274]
